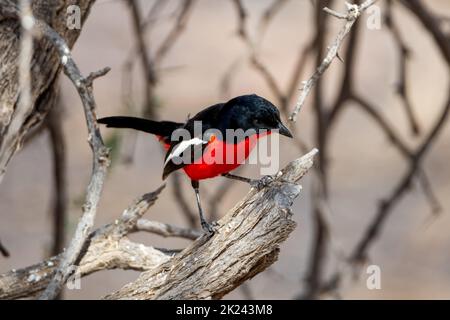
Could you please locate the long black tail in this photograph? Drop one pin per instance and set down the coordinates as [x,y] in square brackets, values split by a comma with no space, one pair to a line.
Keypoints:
[160,128]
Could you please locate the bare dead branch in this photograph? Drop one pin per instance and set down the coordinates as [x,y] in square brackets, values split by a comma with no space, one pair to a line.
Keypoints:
[181,22]
[3,250]
[151,66]
[255,61]
[228,77]
[353,12]
[101,162]
[404,54]
[386,206]
[242,20]
[153,13]
[431,23]
[247,240]
[298,70]
[108,248]
[166,230]
[44,72]
[429,193]
[269,14]
[59,205]
[245,244]
[147,63]
[319,195]
[384,125]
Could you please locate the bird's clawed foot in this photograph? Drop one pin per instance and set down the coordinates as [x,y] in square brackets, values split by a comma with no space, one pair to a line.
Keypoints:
[261,183]
[209,228]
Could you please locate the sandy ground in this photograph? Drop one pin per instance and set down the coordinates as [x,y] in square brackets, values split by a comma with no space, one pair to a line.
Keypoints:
[413,254]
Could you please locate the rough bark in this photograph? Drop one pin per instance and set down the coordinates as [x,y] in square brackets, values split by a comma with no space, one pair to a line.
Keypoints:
[246,242]
[45,68]
[109,248]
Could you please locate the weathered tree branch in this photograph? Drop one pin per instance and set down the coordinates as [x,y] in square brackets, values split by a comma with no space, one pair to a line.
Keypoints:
[166,230]
[3,250]
[246,243]
[352,14]
[404,55]
[40,28]
[109,248]
[59,201]
[100,161]
[44,71]
[414,157]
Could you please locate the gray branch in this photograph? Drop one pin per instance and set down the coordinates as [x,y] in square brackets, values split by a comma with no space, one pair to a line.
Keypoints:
[246,243]
[352,14]
[109,248]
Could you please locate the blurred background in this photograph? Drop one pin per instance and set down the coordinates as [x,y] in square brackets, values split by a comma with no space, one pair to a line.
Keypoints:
[211,61]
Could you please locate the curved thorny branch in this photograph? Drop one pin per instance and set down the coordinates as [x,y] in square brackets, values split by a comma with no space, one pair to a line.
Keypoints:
[326,117]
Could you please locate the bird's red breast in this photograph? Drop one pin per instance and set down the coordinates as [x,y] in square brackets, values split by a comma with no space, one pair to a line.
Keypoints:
[219,156]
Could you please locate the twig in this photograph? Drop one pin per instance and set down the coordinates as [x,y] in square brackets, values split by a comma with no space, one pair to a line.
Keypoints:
[181,22]
[386,206]
[282,98]
[3,250]
[59,206]
[383,124]
[269,14]
[319,183]
[147,63]
[152,15]
[166,230]
[100,163]
[109,248]
[302,57]
[242,21]
[431,24]
[404,54]
[44,72]
[228,76]
[429,193]
[353,12]
[150,65]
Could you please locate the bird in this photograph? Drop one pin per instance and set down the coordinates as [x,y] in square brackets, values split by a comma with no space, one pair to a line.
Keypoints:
[209,151]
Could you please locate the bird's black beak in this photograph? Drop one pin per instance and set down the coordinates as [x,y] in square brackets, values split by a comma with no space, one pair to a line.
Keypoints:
[283,130]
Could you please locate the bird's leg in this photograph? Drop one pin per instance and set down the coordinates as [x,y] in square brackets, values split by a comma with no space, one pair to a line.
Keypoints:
[254,183]
[207,227]
[238,178]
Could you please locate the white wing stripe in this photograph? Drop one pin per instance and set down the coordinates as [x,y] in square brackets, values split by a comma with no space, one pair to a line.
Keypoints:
[183,145]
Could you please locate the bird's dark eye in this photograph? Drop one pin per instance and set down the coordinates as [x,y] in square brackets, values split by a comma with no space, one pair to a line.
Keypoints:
[256,122]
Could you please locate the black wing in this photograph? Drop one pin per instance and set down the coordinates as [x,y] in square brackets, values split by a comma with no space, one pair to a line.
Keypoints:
[209,118]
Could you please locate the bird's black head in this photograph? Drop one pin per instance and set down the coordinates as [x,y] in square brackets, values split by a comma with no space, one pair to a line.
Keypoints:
[253,112]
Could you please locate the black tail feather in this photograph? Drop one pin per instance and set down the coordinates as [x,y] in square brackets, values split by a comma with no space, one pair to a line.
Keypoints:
[160,128]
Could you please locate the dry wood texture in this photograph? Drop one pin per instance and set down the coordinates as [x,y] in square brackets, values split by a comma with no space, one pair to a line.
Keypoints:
[246,243]
[45,68]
